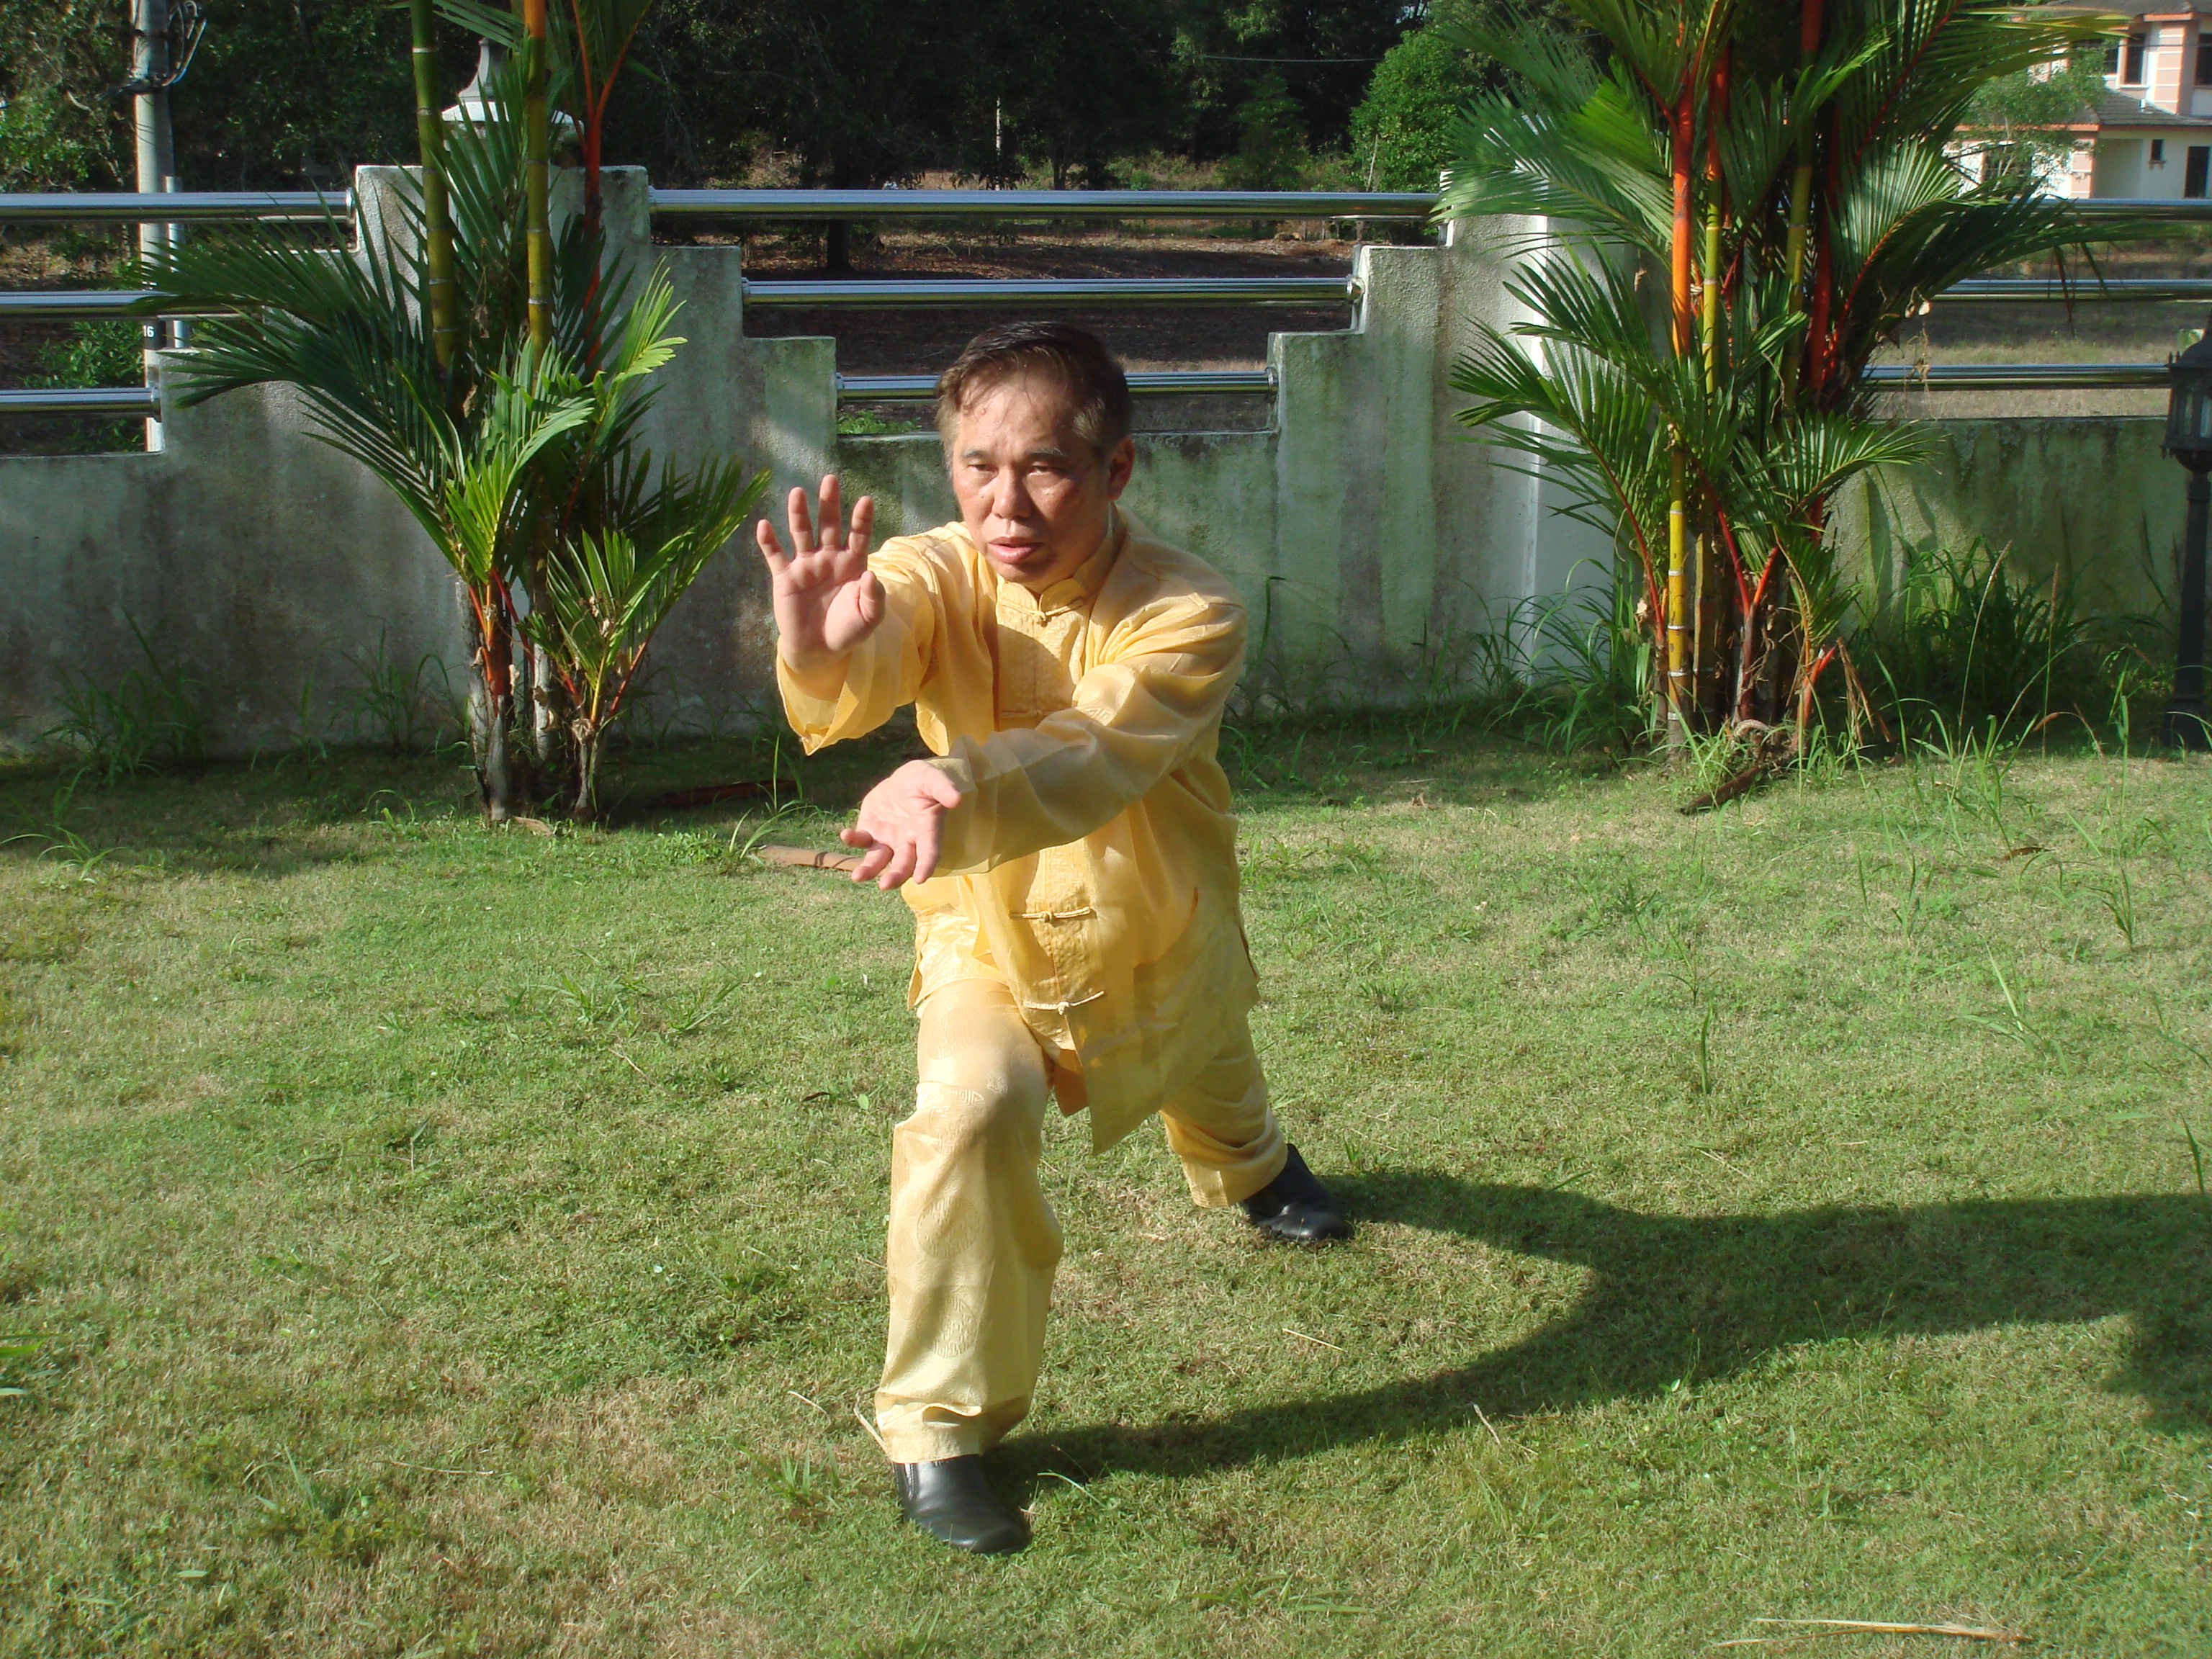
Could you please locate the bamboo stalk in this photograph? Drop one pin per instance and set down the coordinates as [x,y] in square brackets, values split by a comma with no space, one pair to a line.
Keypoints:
[537,179]
[440,294]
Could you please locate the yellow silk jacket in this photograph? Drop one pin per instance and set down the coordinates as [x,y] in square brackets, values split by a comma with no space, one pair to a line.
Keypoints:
[1092,863]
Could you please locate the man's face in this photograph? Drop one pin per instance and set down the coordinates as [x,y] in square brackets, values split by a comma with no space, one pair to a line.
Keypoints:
[1033,493]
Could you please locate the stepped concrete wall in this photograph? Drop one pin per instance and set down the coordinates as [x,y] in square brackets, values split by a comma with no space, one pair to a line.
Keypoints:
[1368,536]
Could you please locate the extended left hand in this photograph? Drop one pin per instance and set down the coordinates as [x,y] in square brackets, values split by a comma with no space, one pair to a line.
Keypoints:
[901,826]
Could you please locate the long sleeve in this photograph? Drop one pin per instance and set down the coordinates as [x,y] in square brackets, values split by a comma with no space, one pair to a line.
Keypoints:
[1135,718]
[885,672]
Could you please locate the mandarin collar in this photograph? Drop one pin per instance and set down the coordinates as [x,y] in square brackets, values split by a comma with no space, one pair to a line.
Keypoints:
[1081,585]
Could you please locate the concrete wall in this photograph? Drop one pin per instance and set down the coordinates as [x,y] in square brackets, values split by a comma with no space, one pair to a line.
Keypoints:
[2092,500]
[1366,532]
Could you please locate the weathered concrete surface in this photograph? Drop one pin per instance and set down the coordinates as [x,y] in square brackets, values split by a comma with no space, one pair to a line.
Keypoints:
[1368,535]
[271,580]
[2091,501]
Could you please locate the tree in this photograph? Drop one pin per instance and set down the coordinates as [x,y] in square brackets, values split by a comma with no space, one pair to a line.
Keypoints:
[1271,151]
[2028,110]
[492,374]
[1400,133]
[1802,204]
[1071,83]
[1324,52]
[58,128]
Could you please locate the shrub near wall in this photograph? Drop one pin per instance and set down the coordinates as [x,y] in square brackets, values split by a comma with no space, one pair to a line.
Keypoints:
[1402,132]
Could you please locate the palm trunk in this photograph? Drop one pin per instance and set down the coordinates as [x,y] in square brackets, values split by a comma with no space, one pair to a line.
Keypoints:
[586,807]
[1709,321]
[1801,201]
[1709,293]
[1819,326]
[441,295]
[1682,337]
[491,703]
[1750,659]
[536,178]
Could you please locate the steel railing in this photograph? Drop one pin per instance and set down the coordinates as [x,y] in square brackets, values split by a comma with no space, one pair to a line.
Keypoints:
[183,206]
[111,400]
[83,305]
[90,305]
[2037,290]
[2093,208]
[2016,377]
[77,305]
[786,205]
[1143,383]
[1058,292]
[211,207]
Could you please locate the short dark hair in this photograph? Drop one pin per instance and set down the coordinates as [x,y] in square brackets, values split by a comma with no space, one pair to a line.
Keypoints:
[1075,357]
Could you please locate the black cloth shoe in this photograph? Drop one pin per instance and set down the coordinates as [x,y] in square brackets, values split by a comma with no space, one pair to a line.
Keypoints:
[1296,1206]
[951,1501]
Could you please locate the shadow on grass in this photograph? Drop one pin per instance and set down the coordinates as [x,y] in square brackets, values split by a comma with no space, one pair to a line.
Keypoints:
[1680,1298]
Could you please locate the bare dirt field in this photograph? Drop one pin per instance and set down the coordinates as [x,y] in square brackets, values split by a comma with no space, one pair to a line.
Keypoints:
[911,341]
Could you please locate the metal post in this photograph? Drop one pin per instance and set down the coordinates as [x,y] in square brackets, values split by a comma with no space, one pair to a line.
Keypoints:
[179,330]
[149,70]
[2185,726]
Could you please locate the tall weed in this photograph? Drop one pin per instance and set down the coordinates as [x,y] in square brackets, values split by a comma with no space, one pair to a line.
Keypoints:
[405,708]
[151,717]
[1966,640]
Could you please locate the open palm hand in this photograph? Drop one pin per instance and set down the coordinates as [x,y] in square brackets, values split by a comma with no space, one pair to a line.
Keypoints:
[826,600]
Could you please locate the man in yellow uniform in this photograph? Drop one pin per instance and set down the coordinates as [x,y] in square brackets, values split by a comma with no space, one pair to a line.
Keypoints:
[1070,861]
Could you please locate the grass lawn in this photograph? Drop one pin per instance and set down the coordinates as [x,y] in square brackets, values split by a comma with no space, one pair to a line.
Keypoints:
[421,1241]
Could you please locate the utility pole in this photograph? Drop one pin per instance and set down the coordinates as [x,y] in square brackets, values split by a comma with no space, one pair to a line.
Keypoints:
[157,155]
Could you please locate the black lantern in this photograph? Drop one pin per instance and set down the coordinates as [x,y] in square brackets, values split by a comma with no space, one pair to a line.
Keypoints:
[2189,441]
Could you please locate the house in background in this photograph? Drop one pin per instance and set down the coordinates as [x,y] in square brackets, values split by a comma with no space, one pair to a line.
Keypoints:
[2150,135]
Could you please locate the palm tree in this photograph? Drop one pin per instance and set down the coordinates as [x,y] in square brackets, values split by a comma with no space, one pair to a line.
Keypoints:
[1786,166]
[493,372]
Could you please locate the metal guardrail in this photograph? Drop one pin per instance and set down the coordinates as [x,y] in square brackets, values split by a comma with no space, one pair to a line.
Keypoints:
[88,305]
[183,206]
[786,205]
[2172,209]
[1143,383]
[211,207]
[2016,377]
[1054,293]
[108,400]
[2036,291]
[83,305]
[114,401]
[1057,292]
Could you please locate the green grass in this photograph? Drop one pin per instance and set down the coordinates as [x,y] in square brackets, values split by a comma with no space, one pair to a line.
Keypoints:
[425,1240]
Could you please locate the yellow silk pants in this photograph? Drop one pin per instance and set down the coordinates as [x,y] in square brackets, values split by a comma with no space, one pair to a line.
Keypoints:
[973,1243]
